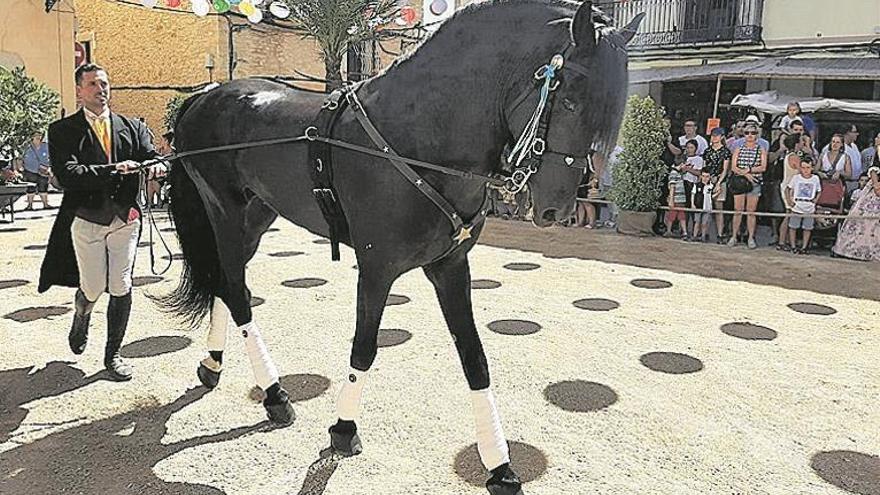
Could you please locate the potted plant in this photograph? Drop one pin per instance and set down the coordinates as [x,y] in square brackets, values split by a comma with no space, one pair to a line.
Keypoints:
[637,176]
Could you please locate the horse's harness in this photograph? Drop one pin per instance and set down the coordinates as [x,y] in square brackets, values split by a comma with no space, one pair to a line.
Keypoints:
[525,157]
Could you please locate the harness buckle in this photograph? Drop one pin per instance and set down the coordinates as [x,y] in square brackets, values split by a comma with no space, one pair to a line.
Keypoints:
[538,146]
[311,133]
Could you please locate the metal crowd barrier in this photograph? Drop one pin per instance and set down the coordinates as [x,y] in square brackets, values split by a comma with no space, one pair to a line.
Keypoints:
[757,213]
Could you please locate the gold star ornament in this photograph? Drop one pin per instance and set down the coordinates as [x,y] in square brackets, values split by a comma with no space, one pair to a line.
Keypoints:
[463,234]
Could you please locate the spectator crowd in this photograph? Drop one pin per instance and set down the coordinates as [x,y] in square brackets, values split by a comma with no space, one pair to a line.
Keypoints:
[749,172]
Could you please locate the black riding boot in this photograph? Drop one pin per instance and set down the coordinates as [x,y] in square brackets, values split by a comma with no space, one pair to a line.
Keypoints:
[79,330]
[117,322]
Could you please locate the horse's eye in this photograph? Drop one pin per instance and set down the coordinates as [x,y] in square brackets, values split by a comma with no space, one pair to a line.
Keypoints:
[569,105]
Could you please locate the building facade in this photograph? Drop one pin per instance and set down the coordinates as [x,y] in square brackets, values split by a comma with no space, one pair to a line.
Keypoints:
[41,43]
[170,51]
[688,52]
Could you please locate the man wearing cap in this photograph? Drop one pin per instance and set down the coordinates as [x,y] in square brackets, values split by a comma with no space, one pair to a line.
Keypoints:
[96,155]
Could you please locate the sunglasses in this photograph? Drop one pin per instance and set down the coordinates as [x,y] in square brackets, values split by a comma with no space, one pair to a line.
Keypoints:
[751,133]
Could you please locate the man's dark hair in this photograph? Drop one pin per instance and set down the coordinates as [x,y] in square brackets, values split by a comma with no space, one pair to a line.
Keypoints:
[82,69]
[791,141]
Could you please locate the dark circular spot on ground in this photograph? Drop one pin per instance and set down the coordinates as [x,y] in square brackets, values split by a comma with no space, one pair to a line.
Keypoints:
[28,315]
[671,362]
[580,396]
[304,283]
[321,241]
[355,267]
[528,462]
[167,229]
[256,301]
[286,254]
[35,247]
[854,472]
[144,244]
[514,327]
[395,299]
[273,229]
[522,266]
[300,387]
[9,230]
[9,284]
[596,304]
[174,257]
[145,280]
[650,283]
[485,284]
[812,309]
[155,346]
[389,337]
[748,331]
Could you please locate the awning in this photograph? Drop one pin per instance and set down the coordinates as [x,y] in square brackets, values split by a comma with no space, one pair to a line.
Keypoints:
[775,103]
[777,67]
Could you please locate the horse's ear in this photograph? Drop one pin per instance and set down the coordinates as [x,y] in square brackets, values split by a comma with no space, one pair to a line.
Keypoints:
[583,31]
[629,31]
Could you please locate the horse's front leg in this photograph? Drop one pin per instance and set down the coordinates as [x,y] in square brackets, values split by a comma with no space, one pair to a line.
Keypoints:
[452,282]
[373,288]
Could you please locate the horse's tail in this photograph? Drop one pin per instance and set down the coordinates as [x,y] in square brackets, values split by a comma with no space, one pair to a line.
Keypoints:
[202,276]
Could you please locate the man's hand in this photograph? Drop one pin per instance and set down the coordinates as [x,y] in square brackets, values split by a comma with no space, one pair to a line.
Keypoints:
[128,167]
[156,170]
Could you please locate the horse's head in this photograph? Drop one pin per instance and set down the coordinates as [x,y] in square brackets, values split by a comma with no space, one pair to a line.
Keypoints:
[587,109]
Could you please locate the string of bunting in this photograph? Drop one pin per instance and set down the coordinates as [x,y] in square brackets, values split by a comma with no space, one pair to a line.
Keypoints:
[254,9]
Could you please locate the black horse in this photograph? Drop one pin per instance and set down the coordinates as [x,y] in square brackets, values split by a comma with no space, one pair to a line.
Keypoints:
[466,93]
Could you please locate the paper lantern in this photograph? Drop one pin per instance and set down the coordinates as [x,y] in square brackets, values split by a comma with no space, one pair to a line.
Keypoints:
[149,3]
[279,9]
[246,8]
[408,14]
[256,17]
[200,8]
[172,3]
[221,6]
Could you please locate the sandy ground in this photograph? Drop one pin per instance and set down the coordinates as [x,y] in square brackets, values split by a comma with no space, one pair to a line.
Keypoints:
[653,394]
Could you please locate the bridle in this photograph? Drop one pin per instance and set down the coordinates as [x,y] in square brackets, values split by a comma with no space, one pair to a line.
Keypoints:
[531,148]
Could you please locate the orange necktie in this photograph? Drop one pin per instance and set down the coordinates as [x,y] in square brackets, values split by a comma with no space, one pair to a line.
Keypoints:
[103,135]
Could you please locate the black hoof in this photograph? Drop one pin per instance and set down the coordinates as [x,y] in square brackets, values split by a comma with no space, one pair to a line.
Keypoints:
[207,376]
[278,407]
[504,482]
[344,439]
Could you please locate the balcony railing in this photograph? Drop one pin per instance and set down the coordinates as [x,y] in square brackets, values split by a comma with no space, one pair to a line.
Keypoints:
[671,23]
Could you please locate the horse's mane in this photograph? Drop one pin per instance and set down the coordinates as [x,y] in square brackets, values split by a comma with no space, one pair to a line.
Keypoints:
[476,8]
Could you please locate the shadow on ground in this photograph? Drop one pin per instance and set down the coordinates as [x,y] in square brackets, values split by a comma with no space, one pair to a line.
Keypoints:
[111,456]
[19,386]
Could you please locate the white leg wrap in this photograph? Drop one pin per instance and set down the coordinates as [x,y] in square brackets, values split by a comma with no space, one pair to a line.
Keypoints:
[219,326]
[264,369]
[349,404]
[491,443]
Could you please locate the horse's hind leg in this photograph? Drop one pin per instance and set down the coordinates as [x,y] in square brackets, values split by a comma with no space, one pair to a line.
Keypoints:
[452,282]
[258,218]
[373,287]
[236,243]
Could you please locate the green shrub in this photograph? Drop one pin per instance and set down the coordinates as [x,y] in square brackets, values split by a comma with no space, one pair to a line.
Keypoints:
[638,173]
[171,110]
[26,107]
